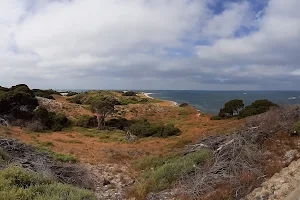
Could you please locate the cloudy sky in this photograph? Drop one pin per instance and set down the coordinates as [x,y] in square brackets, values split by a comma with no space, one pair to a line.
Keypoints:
[151,44]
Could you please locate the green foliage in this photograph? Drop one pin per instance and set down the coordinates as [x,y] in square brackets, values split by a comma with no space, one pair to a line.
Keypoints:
[87,121]
[161,172]
[257,107]
[142,128]
[45,93]
[231,107]
[216,117]
[129,93]
[16,183]
[51,120]
[67,158]
[71,94]
[102,109]
[112,136]
[118,123]
[18,101]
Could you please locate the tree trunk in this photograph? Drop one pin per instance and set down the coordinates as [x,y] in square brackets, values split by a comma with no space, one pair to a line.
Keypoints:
[100,123]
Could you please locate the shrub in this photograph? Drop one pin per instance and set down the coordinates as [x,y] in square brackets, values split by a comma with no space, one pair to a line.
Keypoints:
[118,123]
[16,183]
[257,107]
[87,121]
[161,172]
[295,130]
[216,117]
[129,93]
[18,102]
[71,94]
[35,126]
[51,120]
[170,130]
[142,128]
[231,107]
[184,105]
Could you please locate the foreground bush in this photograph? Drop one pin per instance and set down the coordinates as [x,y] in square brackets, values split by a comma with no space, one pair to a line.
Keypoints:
[161,172]
[142,128]
[15,183]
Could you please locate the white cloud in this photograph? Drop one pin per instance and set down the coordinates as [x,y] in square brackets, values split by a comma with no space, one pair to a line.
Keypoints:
[53,43]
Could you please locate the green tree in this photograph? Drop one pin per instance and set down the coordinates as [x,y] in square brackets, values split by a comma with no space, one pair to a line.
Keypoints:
[102,109]
[231,107]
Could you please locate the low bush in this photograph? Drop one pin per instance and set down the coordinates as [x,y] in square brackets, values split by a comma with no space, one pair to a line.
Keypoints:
[71,94]
[51,120]
[16,183]
[129,93]
[118,123]
[161,172]
[295,130]
[184,105]
[17,102]
[87,121]
[35,126]
[216,117]
[142,128]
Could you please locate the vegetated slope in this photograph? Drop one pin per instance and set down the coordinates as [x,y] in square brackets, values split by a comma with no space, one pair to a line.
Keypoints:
[29,174]
[241,161]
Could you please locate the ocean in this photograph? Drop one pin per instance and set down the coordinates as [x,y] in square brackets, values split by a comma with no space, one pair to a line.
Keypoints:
[211,101]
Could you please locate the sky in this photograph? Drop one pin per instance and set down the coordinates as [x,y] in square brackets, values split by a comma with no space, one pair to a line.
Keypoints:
[151,44]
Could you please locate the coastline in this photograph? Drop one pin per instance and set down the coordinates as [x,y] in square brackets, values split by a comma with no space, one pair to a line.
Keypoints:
[147,95]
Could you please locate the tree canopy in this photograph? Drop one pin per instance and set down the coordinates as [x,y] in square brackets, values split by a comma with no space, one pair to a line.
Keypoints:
[232,107]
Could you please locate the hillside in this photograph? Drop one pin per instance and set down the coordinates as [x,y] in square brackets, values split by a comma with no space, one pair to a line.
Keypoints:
[140,154]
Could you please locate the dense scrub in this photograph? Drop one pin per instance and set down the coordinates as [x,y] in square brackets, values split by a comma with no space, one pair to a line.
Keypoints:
[50,120]
[257,107]
[236,108]
[142,128]
[117,98]
[45,93]
[129,93]
[17,102]
[87,121]
[161,172]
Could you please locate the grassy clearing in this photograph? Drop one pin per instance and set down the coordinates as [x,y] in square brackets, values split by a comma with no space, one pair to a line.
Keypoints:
[67,158]
[15,183]
[86,132]
[112,136]
[69,141]
[161,172]
[179,144]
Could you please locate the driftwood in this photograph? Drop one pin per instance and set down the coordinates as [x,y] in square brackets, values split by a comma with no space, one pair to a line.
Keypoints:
[3,122]
[130,137]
